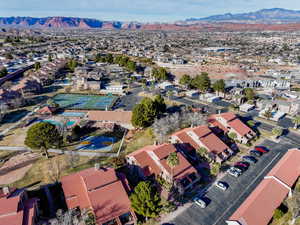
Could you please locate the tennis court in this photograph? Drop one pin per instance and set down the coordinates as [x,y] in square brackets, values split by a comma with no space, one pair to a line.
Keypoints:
[87,102]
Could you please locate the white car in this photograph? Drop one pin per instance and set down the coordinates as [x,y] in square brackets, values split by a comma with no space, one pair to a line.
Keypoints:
[234,172]
[200,202]
[222,185]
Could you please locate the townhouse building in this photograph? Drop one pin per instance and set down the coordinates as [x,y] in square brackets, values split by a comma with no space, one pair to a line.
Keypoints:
[203,137]
[17,208]
[230,123]
[102,191]
[152,161]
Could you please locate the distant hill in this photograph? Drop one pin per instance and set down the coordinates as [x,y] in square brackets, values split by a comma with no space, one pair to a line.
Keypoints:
[274,15]
[275,19]
[57,22]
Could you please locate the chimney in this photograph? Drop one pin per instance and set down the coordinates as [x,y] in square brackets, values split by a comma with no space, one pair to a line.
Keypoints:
[5,190]
[219,111]
[97,166]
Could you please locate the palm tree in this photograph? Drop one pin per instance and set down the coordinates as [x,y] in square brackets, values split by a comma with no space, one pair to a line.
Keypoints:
[172,161]
[296,121]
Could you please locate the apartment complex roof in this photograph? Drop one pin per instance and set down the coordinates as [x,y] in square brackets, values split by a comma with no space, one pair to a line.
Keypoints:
[98,189]
[259,207]
[16,209]
[232,121]
[111,116]
[153,160]
[205,136]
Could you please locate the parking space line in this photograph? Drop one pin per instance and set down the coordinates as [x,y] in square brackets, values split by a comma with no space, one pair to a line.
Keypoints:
[245,190]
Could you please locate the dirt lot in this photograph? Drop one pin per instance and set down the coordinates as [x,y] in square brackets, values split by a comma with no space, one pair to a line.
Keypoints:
[15,138]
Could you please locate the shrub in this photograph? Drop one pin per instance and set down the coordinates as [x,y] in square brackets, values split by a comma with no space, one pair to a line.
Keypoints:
[278,214]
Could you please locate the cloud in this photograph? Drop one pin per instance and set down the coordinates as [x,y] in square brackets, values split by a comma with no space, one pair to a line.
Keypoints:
[153,10]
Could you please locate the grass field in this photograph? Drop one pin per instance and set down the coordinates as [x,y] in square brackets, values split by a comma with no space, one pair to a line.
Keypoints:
[139,140]
[82,101]
[45,170]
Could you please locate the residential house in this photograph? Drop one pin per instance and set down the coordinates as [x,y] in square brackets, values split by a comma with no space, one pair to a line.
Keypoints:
[260,205]
[152,161]
[203,137]
[16,208]
[230,123]
[103,192]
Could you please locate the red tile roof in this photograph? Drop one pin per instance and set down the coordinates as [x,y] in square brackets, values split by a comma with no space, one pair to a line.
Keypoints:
[288,168]
[232,121]
[111,116]
[100,190]
[14,213]
[258,208]
[206,137]
[151,166]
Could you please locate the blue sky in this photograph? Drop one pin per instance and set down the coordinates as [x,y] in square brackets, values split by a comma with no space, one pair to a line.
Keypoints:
[137,10]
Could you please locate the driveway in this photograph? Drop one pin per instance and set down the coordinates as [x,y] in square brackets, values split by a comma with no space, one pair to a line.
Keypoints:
[223,204]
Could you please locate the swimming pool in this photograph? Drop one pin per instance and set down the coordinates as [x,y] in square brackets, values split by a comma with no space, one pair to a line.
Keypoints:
[97,143]
[58,123]
[73,114]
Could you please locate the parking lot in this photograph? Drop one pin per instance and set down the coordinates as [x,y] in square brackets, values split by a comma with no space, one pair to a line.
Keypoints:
[224,203]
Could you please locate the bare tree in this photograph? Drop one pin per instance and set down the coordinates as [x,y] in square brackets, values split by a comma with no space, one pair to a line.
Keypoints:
[66,218]
[171,123]
[54,171]
[294,205]
[72,159]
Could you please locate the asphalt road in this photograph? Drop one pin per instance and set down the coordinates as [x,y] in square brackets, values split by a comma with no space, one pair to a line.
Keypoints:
[223,204]
[127,102]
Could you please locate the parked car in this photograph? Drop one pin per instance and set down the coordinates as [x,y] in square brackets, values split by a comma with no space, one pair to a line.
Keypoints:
[241,169]
[261,149]
[234,172]
[250,159]
[200,202]
[243,164]
[222,185]
[256,153]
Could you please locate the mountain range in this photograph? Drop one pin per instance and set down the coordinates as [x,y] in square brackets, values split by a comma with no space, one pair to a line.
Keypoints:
[274,15]
[265,19]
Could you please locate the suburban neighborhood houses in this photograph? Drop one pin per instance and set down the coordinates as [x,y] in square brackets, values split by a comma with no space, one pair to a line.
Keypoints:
[132,126]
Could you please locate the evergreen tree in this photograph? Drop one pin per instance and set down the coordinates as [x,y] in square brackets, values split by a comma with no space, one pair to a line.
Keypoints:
[37,66]
[42,136]
[143,114]
[185,80]
[202,82]
[145,200]
[249,93]
[160,74]
[219,86]
[131,65]
[72,64]
[3,72]
[160,104]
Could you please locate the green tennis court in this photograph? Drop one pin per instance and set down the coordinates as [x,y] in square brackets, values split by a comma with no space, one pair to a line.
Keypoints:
[86,102]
